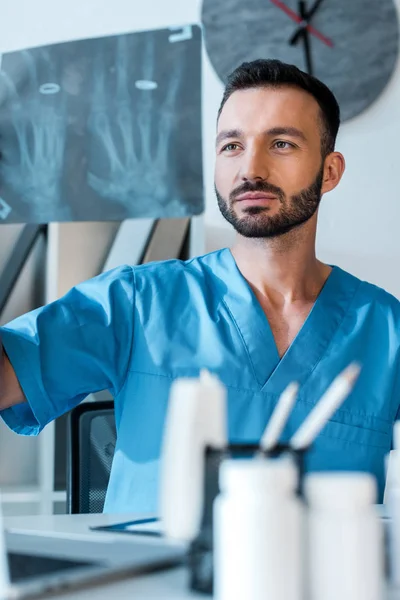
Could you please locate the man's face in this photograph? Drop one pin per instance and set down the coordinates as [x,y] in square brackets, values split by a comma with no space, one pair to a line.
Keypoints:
[269,169]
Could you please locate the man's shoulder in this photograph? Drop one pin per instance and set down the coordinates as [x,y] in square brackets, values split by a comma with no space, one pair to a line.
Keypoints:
[167,269]
[373,293]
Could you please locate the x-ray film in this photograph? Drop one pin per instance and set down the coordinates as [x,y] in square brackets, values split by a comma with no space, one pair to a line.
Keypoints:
[102,129]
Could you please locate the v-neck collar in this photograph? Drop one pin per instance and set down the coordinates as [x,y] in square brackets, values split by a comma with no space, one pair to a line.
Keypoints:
[310,343]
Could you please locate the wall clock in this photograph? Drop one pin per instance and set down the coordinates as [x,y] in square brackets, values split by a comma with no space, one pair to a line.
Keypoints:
[351,45]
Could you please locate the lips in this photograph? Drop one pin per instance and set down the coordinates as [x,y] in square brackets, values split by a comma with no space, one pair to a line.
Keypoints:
[255,196]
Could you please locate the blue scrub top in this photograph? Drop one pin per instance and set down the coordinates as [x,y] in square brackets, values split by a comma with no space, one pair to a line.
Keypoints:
[133,330]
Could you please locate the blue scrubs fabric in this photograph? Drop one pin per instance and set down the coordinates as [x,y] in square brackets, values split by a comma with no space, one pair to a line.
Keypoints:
[134,330]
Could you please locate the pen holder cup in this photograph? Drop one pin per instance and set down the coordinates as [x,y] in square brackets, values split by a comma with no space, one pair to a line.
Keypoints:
[201,549]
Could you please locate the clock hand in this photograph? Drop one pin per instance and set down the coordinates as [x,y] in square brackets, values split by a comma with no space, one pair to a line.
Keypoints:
[295,17]
[314,9]
[307,19]
[306,38]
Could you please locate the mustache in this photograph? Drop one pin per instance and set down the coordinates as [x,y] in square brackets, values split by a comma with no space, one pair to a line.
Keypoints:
[257,186]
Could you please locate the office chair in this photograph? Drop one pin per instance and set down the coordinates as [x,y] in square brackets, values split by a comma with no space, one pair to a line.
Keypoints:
[91,445]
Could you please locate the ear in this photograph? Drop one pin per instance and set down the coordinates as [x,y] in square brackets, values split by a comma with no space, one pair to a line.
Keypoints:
[334,167]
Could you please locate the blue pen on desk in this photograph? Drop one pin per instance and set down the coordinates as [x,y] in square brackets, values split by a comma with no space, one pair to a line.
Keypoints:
[126,526]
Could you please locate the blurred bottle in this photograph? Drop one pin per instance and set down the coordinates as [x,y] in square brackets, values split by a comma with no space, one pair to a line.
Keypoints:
[345,537]
[196,418]
[258,527]
[392,501]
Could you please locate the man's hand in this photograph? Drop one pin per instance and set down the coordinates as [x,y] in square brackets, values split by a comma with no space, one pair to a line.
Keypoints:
[10,390]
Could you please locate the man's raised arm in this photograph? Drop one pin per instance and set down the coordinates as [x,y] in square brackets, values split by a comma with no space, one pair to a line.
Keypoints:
[54,356]
[10,390]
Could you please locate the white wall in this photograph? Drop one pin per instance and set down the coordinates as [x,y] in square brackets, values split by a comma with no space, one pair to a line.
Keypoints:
[359,222]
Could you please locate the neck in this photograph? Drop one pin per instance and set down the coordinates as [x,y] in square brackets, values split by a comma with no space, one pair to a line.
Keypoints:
[283,269]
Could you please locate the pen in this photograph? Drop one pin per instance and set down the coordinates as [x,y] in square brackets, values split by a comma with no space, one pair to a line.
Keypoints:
[124,527]
[327,405]
[279,417]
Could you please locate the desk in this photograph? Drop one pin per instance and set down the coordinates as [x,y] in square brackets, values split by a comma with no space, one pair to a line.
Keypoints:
[165,585]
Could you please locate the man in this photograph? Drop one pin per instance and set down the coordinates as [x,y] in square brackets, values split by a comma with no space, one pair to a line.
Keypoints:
[260,315]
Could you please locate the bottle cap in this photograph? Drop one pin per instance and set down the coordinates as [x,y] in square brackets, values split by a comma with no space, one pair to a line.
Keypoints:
[393,460]
[392,470]
[275,474]
[396,435]
[340,490]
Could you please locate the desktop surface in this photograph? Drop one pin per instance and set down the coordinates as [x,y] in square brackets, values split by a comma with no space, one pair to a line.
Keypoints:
[70,538]
[172,584]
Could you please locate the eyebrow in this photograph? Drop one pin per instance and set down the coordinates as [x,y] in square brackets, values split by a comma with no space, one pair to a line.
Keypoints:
[237,133]
[290,131]
[230,133]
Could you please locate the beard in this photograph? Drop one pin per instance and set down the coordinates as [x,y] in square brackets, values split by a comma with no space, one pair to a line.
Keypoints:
[256,223]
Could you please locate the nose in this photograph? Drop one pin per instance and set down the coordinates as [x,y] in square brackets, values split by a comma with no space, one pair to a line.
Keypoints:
[255,165]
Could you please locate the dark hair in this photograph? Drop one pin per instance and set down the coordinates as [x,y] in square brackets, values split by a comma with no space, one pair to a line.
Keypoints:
[274,73]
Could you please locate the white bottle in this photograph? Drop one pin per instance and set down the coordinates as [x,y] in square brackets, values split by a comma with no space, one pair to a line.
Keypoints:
[345,537]
[196,418]
[392,501]
[258,525]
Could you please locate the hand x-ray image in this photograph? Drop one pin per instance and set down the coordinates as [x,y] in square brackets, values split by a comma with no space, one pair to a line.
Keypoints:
[102,129]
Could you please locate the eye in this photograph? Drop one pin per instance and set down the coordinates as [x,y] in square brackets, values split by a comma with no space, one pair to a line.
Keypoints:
[230,147]
[281,145]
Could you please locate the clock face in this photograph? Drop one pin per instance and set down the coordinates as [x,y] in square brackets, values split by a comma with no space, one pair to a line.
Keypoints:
[351,45]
